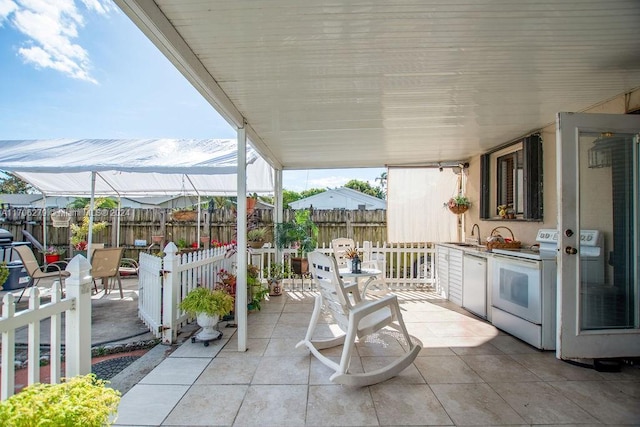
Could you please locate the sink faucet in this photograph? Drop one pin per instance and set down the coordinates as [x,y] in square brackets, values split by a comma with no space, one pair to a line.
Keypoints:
[473,228]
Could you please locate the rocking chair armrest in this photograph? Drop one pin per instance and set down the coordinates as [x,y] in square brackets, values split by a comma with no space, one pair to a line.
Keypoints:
[370,306]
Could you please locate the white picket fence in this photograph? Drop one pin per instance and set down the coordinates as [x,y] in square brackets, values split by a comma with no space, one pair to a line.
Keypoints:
[76,307]
[164,282]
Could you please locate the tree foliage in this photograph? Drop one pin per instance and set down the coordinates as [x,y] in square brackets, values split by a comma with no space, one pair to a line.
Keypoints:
[14,185]
[366,188]
[100,203]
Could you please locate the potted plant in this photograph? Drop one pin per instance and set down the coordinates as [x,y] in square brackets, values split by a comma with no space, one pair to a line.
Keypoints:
[188,213]
[458,204]
[255,291]
[208,306]
[274,274]
[4,273]
[301,234]
[79,233]
[78,401]
[257,236]
[52,254]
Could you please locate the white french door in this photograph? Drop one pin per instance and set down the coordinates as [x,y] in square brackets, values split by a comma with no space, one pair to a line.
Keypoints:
[598,184]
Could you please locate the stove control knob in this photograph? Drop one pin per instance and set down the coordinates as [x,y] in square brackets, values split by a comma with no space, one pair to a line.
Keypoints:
[568,232]
[570,251]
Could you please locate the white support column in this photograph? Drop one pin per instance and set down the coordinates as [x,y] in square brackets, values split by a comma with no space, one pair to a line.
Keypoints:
[44,221]
[241,219]
[92,203]
[78,320]
[279,208]
[198,222]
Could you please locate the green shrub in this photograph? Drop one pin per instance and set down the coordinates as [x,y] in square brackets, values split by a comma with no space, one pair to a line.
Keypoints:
[79,401]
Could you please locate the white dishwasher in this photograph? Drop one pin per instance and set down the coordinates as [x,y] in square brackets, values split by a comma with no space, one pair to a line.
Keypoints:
[474,284]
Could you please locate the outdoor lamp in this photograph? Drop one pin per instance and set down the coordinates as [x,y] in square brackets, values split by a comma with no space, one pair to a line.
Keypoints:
[356,264]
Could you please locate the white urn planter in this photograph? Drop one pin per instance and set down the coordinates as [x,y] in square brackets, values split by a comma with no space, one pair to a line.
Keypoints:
[208,324]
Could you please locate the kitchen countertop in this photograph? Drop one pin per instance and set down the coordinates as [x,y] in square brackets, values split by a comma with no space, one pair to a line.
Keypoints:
[476,250]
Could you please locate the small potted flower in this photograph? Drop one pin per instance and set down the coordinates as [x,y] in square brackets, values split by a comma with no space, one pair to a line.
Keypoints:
[52,254]
[274,274]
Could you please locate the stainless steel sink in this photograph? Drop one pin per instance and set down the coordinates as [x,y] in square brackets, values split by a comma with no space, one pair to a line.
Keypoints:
[469,245]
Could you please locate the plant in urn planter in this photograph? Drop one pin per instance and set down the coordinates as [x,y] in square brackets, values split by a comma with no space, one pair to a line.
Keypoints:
[208,306]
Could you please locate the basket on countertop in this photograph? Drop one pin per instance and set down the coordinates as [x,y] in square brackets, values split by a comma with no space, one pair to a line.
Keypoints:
[496,241]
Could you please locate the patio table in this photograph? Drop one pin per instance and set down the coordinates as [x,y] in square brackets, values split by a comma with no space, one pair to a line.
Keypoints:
[368,273]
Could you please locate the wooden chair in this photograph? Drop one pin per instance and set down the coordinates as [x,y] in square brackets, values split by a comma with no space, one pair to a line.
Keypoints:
[36,271]
[357,319]
[105,265]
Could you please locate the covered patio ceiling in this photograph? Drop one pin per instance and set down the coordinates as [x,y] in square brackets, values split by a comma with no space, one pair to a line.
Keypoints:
[374,83]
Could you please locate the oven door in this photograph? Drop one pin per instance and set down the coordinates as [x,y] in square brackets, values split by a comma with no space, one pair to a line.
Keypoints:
[517,287]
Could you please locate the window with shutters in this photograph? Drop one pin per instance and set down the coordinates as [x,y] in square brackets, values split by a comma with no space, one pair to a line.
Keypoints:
[512,178]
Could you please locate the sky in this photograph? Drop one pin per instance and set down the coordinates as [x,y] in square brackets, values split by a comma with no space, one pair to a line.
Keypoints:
[82,69]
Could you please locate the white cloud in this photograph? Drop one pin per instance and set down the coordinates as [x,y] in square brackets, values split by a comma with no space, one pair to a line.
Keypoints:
[52,28]
[6,8]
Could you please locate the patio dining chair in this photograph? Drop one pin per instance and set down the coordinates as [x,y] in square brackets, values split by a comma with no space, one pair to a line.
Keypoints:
[357,318]
[105,265]
[36,271]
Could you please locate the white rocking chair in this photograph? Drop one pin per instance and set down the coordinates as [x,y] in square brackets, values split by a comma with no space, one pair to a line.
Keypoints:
[357,318]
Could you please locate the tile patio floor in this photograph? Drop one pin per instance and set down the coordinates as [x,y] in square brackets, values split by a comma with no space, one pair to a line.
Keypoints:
[468,373]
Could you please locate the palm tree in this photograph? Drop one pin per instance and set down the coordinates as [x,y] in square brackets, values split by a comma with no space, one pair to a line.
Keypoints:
[383,182]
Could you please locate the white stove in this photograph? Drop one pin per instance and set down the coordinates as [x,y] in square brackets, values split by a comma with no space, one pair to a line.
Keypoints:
[524,285]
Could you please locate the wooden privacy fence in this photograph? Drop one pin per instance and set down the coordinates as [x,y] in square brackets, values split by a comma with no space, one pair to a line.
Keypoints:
[138,226]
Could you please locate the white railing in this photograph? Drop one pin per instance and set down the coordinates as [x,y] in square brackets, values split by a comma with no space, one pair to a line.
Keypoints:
[182,273]
[77,309]
[405,266]
[164,282]
[150,292]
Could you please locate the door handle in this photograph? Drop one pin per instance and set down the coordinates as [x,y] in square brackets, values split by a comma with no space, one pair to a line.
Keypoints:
[570,250]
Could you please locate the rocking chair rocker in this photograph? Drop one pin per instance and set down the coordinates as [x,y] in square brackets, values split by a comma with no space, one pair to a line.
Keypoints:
[357,318]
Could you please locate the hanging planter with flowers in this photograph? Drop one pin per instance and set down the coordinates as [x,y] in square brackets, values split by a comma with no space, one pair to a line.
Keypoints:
[458,204]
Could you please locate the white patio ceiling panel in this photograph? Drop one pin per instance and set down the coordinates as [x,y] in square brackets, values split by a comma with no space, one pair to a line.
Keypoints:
[370,83]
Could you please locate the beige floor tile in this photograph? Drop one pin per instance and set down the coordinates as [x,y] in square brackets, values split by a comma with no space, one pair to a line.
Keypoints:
[610,402]
[319,373]
[335,405]
[539,403]
[282,370]
[273,405]
[208,405]
[484,348]
[453,329]
[176,371]
[410,375]
[545,366]
[435,351]
[255,347]
[498,368]
[261,330]
[285,347]
[265,318]
[475,404]
[408,404]
[198,349]
[452,341]
[446,370]
[511,345]
[382,343]
[157,401]
[295,319]
[229,370]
